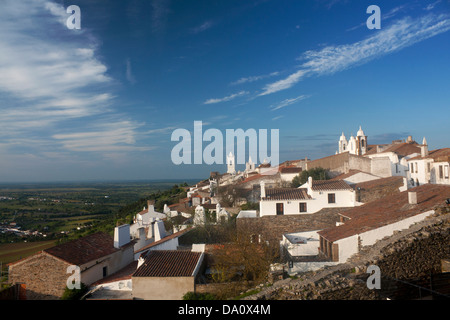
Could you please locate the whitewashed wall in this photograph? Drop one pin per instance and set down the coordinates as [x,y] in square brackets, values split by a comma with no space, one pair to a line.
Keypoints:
[370,237]
[344,198]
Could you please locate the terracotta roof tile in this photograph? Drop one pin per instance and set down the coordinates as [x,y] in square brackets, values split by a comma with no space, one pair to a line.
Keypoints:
[395,180]
[286,194]
[403,149]
[323,185]
[85,249]
[168,263]
[350,173]
[290,170]
[437,155]
[388,210]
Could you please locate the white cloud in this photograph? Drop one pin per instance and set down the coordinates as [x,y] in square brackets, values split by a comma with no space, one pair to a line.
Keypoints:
[288,102]
[432,5]
[114,136]
[51,81]
[254,78]
[331,59]
[227,98]
[284,83]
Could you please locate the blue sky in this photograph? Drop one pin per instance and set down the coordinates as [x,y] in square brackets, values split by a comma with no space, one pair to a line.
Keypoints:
[101,103]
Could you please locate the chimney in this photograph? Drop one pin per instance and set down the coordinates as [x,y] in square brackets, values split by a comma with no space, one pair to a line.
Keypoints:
[151,229]
[160,231]
[263,189]
[424,148]
[412,197]
[141,233]
[121,235]
[141,261]
[310,179]
[150,204]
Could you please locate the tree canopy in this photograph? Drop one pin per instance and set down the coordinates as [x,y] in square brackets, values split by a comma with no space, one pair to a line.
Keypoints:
[316,173]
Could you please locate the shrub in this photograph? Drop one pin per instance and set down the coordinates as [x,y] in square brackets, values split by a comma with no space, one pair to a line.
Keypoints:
[75,294]
[198,296]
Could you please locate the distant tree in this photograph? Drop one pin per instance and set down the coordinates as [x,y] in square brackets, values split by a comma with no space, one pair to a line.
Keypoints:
[316,173]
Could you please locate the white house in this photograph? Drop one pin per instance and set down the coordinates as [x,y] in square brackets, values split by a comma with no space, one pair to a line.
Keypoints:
[430,166]
[289,173]
[147,227]
[145,218]
[398,154]
[221,214]
[371,222]
[309,198]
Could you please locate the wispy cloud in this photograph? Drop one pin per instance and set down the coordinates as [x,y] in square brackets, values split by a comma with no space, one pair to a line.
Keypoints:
[276,118]
[432,5]
[116,136]
[331,59]
[254,78]
[227,98]
[203,27]
[284,83]
[128,73]
[53,83]
[288,102]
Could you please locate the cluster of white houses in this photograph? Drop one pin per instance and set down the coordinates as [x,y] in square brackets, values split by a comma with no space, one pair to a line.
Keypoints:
[145,258]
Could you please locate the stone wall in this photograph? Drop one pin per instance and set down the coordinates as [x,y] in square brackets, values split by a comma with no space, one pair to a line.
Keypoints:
[407,260]
[344,162]
[272,228]
[337,164]
[44,276]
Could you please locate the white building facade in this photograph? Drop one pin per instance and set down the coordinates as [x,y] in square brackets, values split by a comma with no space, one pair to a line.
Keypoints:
[309,198]
[429,167]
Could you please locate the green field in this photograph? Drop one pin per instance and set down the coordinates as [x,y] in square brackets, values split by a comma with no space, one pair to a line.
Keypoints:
[73,209]
[11,252]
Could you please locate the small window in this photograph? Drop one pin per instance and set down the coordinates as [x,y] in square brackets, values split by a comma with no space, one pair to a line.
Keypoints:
[441,172]
[412,167]
[303,207]
[331,198]
[280,209]
[428,167]
[105,271]
[446,172]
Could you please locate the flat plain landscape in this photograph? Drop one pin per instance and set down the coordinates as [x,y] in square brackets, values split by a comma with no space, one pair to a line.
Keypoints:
[35,216]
